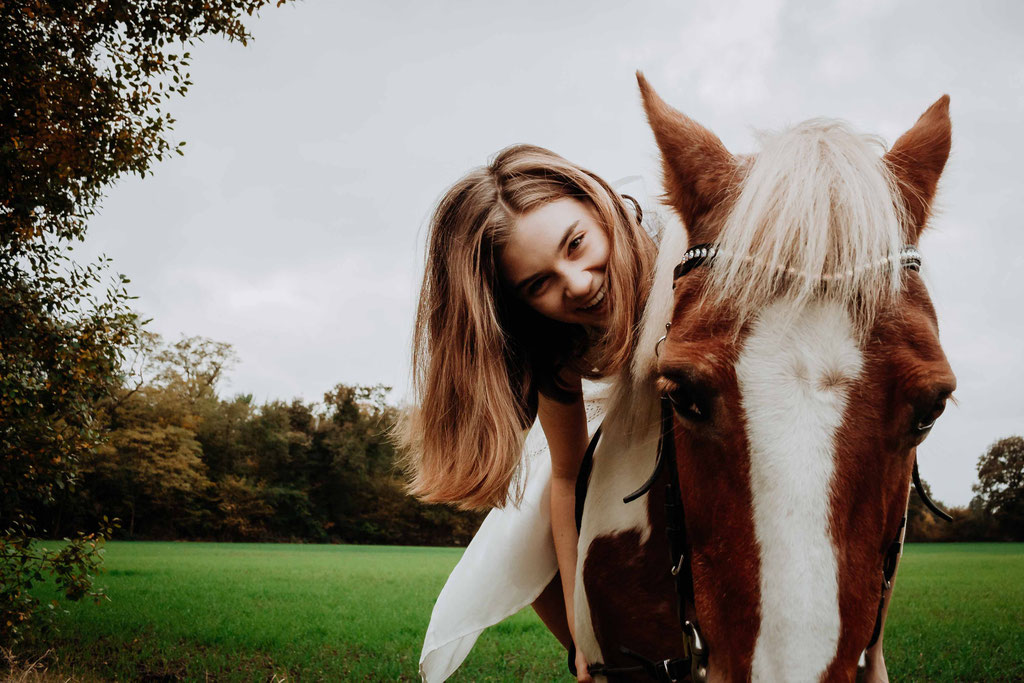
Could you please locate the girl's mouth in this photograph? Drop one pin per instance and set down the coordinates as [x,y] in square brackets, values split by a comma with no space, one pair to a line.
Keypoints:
[597,300]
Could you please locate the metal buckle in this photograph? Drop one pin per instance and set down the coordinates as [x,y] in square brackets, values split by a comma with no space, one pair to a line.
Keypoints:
[698,652]
[657,346]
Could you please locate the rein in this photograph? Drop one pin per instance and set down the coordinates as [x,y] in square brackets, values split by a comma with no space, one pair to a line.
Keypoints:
[695,662]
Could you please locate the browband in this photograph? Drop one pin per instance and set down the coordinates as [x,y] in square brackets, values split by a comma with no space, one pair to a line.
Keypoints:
[909,257]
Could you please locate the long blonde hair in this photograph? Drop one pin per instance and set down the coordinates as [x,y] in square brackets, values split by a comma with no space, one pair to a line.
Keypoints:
[480,356]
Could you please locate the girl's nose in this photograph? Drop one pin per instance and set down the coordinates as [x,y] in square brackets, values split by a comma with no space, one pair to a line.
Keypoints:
[578,283]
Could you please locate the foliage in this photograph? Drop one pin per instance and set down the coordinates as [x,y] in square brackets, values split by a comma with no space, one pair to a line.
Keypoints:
[243,510]
[192,366]
[82,87]
[24,563]
[157,467]
[84,84]
[60,354]
[1000,487]
[181,462]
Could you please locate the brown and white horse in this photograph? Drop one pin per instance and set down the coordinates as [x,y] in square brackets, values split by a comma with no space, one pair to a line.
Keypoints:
[804,366]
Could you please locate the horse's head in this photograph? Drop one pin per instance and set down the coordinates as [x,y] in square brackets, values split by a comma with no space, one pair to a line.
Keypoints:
[804,365]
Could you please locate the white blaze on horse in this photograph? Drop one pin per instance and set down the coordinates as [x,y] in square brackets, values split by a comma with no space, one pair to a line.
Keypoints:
[803,366]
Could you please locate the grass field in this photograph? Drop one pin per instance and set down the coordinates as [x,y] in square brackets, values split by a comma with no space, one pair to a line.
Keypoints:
[306,612]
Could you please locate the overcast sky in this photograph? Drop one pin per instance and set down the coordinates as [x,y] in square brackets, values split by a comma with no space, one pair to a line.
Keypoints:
[293,228]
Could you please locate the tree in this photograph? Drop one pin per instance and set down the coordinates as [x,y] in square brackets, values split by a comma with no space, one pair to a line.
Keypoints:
[190,369]
[157,468]
[1000,487]
[243,509]
[279,450]
[193,366]
[82,87]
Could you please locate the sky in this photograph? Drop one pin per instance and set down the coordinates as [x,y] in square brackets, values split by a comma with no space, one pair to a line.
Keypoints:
[294,226]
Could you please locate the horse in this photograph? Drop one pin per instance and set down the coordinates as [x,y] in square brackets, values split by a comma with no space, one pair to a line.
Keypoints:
[798,369]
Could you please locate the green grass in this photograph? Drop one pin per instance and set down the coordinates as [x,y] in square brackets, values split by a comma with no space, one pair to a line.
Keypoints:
[958,613]
[306,612]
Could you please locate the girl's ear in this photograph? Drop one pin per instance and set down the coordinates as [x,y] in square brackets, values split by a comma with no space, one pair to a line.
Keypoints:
[917,160]
[698,169]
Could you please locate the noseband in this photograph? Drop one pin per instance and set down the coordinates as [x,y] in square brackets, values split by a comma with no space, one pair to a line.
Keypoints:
[695,662]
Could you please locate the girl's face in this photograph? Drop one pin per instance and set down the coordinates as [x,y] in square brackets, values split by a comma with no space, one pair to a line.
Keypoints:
[556,261]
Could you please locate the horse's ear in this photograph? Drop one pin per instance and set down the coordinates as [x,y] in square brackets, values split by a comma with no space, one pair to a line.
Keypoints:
[917,160]
[698,169]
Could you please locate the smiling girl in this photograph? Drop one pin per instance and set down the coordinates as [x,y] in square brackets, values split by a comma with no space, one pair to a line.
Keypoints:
[536,278]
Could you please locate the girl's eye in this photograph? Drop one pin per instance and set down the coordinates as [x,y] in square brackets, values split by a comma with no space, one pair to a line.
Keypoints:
[575,244]
[536,287]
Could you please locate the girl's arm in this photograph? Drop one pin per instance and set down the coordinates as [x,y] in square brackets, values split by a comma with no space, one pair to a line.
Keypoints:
[565,427]
[875,669]
[874,660]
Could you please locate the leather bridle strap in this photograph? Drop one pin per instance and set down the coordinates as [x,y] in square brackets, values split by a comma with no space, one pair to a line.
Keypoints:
[665,671]
[695,663]
[675,519]
[892,558]
[679,547]
[923,495]
[892,554]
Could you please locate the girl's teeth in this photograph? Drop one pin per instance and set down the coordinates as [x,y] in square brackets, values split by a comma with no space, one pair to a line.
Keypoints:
[598,298]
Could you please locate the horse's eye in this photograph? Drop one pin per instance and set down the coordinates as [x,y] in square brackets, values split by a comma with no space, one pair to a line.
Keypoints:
[926,421]
[689,400]
[928,412]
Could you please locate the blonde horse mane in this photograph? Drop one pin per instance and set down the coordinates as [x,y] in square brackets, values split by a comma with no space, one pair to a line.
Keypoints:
[818,213]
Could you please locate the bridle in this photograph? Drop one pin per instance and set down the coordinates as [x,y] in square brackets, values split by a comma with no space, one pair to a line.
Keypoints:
[695,660]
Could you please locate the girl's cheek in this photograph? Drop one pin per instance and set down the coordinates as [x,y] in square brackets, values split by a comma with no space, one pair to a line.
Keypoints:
[548,308]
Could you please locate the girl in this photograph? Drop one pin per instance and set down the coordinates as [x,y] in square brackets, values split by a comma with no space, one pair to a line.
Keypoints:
[536,278]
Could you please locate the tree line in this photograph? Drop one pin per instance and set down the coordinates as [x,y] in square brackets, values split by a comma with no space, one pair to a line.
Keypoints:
[180,462]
